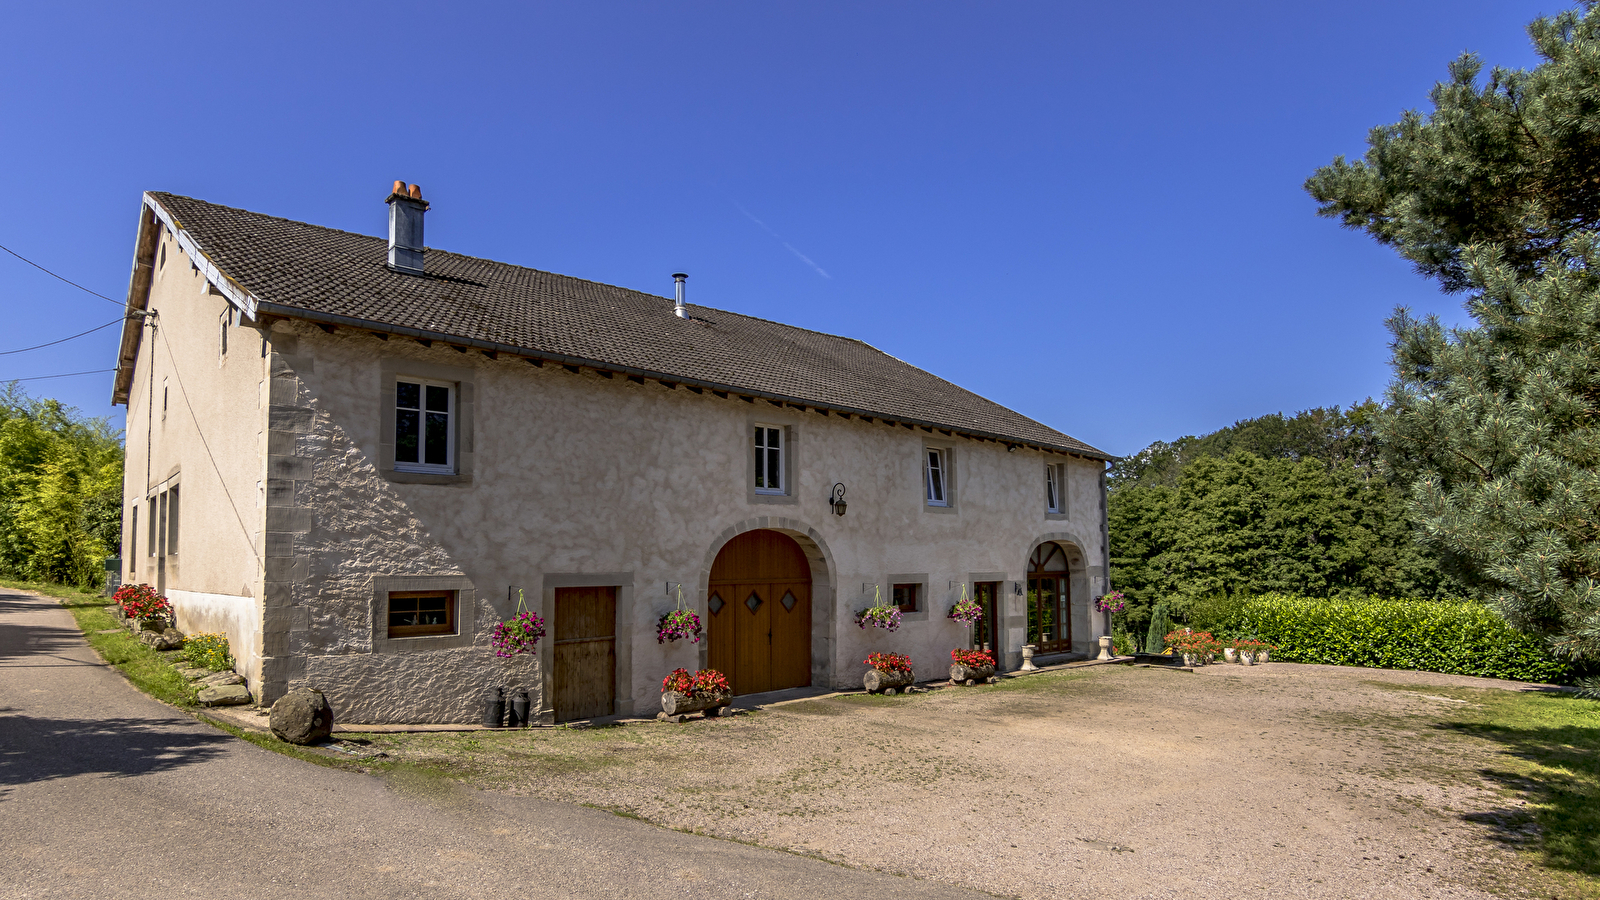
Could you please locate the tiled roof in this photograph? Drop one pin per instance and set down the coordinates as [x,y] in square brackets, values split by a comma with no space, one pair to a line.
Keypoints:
[324,274]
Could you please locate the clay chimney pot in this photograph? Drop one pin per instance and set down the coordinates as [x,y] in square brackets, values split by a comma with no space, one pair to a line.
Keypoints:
[399,188]
[416,192]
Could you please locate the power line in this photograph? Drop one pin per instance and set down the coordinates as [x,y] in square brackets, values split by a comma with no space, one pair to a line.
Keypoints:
[62,375]
[58,277]
[65,339]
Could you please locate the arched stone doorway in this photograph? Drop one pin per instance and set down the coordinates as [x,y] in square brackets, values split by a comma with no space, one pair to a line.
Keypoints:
[758,602]
[1053,611]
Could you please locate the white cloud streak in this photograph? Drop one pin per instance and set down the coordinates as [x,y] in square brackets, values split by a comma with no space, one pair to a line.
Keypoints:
[779,238]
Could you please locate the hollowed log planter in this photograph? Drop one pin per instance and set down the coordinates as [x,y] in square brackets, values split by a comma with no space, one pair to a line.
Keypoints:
[961,674]
[676,704]
[879,682]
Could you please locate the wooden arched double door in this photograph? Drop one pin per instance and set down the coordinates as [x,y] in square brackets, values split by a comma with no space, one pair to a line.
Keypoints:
[759,601]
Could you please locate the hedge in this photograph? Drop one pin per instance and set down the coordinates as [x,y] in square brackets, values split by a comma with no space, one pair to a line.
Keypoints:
[1455,637]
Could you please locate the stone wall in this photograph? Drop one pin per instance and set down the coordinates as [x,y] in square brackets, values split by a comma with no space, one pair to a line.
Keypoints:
[576,477]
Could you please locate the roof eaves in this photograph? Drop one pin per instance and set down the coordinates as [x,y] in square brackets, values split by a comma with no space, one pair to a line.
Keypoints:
[266,308]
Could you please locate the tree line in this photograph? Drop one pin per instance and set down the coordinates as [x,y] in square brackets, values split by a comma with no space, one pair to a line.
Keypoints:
[60,491]
[1485,452]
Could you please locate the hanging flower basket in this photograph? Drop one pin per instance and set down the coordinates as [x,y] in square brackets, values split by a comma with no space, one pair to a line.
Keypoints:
[683,693]
[519,634]
[965,611]
[1110,603]
[679,624]
[971,666]
[879,615]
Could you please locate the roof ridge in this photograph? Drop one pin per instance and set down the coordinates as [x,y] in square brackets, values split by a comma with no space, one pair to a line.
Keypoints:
[501,262]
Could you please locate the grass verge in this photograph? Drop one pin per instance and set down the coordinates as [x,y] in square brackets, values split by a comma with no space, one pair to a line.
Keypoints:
[148,670]
[1550,756]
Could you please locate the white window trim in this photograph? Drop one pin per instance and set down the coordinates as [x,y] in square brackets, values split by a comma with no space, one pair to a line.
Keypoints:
[1052,488]
[783,482]
[929,454]
[449,467]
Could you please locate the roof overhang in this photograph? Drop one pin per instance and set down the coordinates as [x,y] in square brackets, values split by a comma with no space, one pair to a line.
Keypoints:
[153,217]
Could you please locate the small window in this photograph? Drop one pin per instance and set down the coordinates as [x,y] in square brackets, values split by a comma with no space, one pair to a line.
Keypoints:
[223,321]
[1052,491]
[424,433]
[769,459]
[172,521]
[936,478]
[906,597]
[420,613]
[150,526]
[133,539]
[163,398]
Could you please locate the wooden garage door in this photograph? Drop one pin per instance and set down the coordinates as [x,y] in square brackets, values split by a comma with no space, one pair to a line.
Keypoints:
[759,606]
[585,666]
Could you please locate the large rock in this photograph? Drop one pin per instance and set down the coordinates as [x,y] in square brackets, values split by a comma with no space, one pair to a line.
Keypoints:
[302,716]
[224,695]
[219,679]
[170,639]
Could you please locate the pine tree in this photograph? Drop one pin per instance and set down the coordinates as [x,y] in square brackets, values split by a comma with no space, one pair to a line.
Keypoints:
[1496,192]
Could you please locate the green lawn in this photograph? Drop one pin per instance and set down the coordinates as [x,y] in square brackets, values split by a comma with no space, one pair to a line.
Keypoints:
[1551,759]
[149,671]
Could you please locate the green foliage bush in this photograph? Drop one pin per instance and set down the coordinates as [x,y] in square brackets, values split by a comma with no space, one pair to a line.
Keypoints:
[207,651]
[1455,637]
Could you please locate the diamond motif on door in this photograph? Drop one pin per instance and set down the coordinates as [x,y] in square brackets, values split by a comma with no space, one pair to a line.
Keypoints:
[789,601]
[715,604]
[753,602]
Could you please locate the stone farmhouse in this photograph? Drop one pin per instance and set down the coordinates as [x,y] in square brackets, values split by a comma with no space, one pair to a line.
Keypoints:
[353,456]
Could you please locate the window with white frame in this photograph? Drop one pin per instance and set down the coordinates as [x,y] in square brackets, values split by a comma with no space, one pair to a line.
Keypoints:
[424,426]
[936,473]
[769,459]
[1052,489]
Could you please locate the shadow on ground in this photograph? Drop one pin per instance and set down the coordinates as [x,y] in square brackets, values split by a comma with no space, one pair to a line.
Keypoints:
[36,749]
[1565,829]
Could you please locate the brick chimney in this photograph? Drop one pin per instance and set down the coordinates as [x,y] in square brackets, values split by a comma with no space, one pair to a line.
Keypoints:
[406,207]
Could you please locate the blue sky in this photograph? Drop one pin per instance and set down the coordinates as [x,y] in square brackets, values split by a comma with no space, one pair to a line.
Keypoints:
[1091,214]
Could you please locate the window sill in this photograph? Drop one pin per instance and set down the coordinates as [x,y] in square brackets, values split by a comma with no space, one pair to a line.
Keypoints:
[404,477]
[940,508]
[1056,516]
[762,497]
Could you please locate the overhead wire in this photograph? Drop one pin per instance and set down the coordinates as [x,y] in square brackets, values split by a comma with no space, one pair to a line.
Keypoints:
[62,375]
[60,278]
[65,339]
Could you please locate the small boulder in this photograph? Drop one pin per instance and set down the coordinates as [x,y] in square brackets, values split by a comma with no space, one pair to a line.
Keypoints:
[170,639]
[224,695]
[193,674]
[218,679]
[302,716]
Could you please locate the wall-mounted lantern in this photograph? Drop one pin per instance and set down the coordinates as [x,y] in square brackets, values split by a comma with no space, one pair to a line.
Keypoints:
[836,499]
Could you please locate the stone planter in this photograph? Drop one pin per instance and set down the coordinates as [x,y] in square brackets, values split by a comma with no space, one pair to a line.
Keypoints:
[1230,654]
[1246,658]
[960,674]
[877,681]
[1261,656]
[1191,659]
[676,704]
[1105,647]
[154,623]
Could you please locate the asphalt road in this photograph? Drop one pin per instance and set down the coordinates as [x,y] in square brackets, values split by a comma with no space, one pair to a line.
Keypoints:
[105,792]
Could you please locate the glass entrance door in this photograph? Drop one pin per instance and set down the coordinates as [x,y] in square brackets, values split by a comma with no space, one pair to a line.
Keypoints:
[986,631]
[1049,613]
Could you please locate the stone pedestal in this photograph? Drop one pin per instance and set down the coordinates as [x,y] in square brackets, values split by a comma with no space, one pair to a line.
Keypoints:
[1105,647]
[1027,658]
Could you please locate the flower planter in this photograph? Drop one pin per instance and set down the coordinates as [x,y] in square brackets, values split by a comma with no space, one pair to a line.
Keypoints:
[1246,658]
[961,674]
[1261,656]
[676,704]
[877,681]
[1230,654]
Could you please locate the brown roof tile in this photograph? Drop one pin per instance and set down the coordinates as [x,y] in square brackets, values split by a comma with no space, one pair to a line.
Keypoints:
[321,273]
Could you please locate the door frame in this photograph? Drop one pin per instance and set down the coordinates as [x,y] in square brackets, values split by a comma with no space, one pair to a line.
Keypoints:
[824,589]
[627,624]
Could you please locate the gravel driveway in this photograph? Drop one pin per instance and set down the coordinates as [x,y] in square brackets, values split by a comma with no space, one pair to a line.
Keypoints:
[1274,781]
